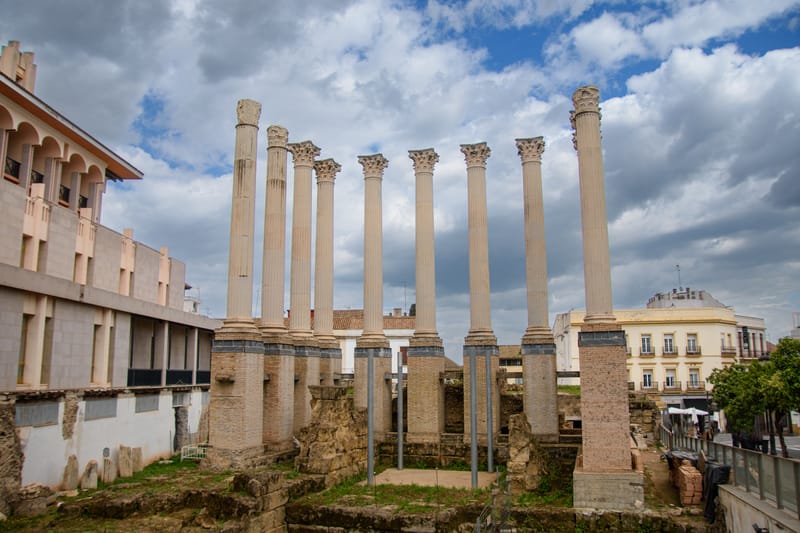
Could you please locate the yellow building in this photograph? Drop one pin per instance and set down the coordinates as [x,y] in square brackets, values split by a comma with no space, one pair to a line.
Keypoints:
[673,344]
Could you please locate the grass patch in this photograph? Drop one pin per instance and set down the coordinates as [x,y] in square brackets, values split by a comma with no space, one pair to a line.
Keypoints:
[574,390]
[410,499]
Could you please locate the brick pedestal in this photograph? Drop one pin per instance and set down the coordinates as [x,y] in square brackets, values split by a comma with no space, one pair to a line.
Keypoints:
[481,353]
[425,393]
[541,390]
[278,384]
[382,391]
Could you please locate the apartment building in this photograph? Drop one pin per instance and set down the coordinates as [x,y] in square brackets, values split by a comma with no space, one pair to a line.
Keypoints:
[674,343]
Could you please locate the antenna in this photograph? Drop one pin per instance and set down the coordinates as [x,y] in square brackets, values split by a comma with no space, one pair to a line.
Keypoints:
[678,268]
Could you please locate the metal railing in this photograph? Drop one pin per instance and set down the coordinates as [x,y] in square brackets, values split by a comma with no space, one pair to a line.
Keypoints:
[693,350]
[494,517]
[769,477]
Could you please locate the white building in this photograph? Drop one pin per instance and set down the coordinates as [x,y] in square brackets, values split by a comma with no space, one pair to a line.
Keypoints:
[673,344]
[348,325]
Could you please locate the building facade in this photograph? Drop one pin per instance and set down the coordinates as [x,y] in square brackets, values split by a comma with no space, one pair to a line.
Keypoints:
[95,345]
[348,324]
[673,344]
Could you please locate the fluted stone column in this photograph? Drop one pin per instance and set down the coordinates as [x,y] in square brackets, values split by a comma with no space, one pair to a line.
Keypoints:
[278,412]
[329,351]
[480,341]
[605,480]
[425,353]
[306,351]
[538,348]
[372,340]
[237,363]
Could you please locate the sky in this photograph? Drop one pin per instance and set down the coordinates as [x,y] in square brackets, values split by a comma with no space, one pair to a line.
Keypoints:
[700,109]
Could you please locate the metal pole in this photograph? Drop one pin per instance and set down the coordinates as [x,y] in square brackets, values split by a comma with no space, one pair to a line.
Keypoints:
[489,413]
[370,421]
[473,419]
[399,411]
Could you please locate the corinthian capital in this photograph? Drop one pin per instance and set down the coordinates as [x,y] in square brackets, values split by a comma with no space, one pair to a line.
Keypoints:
[374,165]
[277,136]
[530,149]
[586,99]
[326,170]
[248,112]
[424,160]
[476,154]
[303,153]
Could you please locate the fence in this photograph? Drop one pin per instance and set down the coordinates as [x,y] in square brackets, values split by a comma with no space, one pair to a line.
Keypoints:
[770,477]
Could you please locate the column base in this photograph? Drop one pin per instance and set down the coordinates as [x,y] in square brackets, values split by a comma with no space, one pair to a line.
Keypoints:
[425,339]
[540,395]
[425,393]
[382,391]
[480,338]
[481,351]
[218,459]
[608,491]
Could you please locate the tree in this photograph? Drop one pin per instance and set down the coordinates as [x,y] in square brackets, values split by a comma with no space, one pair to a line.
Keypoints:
[762,387]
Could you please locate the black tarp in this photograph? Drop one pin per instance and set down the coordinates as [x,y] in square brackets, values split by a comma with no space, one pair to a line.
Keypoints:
[715,474]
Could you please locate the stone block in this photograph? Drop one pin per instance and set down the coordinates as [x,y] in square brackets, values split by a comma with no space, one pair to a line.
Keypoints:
[70,480]
[125,462]
[109,473]
[89,477]
[137,461]
[33,499]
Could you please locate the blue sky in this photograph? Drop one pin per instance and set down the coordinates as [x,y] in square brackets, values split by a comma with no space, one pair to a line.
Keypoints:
[700,132]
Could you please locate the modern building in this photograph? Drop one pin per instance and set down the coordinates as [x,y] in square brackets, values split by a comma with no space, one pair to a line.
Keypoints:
[673,344]
[348,325]
[96,349]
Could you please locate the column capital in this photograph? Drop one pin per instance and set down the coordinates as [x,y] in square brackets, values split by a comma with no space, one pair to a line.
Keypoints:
[326,170]
[424,160]
[248,112]
[476,154]
[277,136]
[586,99]
[303,153]
[374,165]
[530,149]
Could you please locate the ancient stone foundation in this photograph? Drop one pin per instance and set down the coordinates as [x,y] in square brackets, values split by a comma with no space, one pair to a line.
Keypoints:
[335,443]
[11,452]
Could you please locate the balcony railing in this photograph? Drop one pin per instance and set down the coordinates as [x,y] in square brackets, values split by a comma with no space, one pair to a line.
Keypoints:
[695,385]
[649,352]
[729,351]
[673,388]
[670,351]
[179,377]
[36,176]
[11,170]
[693,350]
[144,377]
[631,385]
[203,377]
[652,386]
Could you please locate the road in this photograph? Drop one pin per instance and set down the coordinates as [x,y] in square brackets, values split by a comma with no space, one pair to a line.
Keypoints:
[792,443]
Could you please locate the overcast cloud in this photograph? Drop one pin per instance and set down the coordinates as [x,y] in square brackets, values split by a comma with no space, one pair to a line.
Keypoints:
[699,117]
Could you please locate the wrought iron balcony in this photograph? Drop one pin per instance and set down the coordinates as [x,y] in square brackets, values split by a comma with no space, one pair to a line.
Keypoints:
[729,351]
[652,386]
[693,350]
[670,351]
[695,385]
[672,388]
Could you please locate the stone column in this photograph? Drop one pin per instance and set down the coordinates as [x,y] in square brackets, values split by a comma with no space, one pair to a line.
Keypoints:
[329,352]
[425,353]
[372,340]
[237,362]
[605,480]
[278,411]
[240,259]
[538,348]
[306,351]
[480,341]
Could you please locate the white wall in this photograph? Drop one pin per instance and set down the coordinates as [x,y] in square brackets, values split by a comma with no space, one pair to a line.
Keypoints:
[46,451]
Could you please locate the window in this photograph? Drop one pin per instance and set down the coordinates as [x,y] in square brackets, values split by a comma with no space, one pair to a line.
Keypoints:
[100,408]
[691,343]
[669,381]
[694,378]
[647,347]
[146,402]
[669,345]
[647,379]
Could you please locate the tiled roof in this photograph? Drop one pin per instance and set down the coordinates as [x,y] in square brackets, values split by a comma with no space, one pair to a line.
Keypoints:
[354,319]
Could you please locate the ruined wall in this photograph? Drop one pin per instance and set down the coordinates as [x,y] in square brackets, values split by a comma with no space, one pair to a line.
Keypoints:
[335,442]
[454,408]
[11,453]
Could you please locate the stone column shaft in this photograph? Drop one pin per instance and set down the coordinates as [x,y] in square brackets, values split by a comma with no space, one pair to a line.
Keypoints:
[596,261]
[300,283]
[273,264]
[330,354]
[480,308]
[240,261]
[424,161]
[374,166]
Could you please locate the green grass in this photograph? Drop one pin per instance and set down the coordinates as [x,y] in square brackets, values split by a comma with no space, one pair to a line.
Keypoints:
[574,390]
[411,499]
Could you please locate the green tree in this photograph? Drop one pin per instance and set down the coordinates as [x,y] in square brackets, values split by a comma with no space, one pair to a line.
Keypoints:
[768,387]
